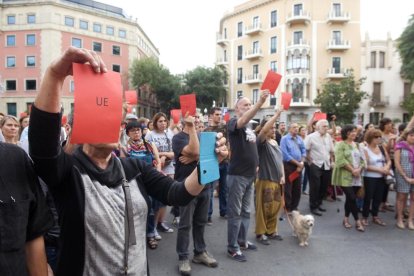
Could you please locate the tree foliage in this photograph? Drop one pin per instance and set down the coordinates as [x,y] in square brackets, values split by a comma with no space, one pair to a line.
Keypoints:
[207,84]
[408,104]
[406,49]
[341,98]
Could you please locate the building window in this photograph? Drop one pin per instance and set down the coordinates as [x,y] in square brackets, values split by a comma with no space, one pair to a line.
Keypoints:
[31,19]
[273,44]
[225,33]
[239,29]
[273,66]
[84,25]
[255,95]
[297,9]
[298,90]
[122,33]
[11,85]
[30,40]
[336,7]
[11,40]
[11,19]
[69,21]
[297,62]
[109,30]
[239,75]
[12,109]
[116,68]
[71,86]
[30,61]
[116,50]
[336,37]
[381,59]
[297,37]
[239,94]
[255,47]
[376,92]
[273,19]
[30,85]
[336,65]
[373,59]
[97,28]
[77,42]
[239,52]
[255,71]
[255,22]
[11,62]
[97,46]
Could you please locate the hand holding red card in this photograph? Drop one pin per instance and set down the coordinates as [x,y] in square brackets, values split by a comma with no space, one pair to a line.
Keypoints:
[271,82]
[131,97]
[286,99]
[226,117]
[319,116]
[293,176]
[188,104]
[175,115]
[98,106]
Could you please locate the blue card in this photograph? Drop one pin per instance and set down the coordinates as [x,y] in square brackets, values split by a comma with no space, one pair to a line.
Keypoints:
[208,169]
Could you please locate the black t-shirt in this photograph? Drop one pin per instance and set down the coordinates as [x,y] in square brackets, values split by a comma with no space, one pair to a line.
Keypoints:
[244,158]
[182,171]
[24,214]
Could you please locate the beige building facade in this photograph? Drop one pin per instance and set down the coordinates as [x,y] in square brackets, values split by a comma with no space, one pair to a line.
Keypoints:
[34,33]
[307,42]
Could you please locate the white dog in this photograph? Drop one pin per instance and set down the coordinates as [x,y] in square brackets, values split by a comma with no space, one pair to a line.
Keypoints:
[302,227]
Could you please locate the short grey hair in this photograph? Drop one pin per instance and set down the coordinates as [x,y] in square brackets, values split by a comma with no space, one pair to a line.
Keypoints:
[321,122]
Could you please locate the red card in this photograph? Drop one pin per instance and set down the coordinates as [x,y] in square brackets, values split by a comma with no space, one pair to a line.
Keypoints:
[64,120]
[286,99]
[98,106]
[293,176]
[319,116]
[129,109]
[226,117]
[271,82]
[131,97]
[175,114]
[188,104]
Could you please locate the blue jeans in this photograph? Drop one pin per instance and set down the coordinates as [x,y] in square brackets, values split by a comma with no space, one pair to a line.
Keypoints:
[238,210]
[52,254]
[222,191]
[193,215]
[151,219]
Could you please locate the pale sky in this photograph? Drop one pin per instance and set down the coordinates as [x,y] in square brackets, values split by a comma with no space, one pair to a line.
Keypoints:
[184,31]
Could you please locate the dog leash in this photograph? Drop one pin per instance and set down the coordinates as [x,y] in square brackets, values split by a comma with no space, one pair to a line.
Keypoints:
[284,208]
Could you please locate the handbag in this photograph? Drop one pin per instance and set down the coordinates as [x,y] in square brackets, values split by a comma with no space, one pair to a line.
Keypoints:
[389,179]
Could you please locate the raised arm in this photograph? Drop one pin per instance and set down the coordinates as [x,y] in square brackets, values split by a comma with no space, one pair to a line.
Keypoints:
[269,124]
[248,115]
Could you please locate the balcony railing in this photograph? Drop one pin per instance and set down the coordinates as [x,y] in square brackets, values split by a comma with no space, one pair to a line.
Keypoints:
[221,39]
[298,73]
[298,45]
[296,18]
[338,17]
[253,79]
[298,102]
[338,45]
[222,61]
[334,73]
[253,54]
[253,29]
[378,102]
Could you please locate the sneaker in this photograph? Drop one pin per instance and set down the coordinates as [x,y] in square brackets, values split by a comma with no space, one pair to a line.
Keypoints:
[248,246]
[263,239]
[209,222]
[184,267]
[164,228]
[237,256]
[206,259]
[157,236]
[176,221]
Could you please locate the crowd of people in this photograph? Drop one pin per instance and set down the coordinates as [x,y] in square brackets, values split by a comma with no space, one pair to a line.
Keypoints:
[96,208]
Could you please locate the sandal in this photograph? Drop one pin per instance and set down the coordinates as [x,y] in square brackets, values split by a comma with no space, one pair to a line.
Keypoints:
[378,221]
[263,239]
[364,222]
[152,243]
[359,227]
[346,224]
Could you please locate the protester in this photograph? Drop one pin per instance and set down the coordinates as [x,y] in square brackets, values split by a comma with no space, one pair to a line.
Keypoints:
[378,166]
[241,175]
[102,201]
[24,215]
[320,157]
[269,181]
[347,173]
[305,171]
[294,154]
[404,164]
[9,127]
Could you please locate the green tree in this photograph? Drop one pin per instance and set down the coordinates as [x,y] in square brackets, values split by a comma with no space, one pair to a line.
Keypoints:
[207,84]
[405,47]
[149,71]
[341,98]
[408,104]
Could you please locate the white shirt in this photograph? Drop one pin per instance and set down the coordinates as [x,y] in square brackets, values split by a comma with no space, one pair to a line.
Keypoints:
[319,148]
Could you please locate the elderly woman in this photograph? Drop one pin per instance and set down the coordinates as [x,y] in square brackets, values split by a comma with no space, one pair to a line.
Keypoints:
[103,201]
[9,126]
[347,173]
[269,181]
[378,166]
[404,165]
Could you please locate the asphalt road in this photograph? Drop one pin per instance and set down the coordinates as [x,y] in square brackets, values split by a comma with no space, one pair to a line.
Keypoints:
[333,250]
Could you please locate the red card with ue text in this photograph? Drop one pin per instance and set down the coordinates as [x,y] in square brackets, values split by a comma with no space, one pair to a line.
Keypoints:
[98,106]
[319,116]
[188,104]
[175,115]
[293,176]
[131,97]
[226,117]
[286,99]
[271,82]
